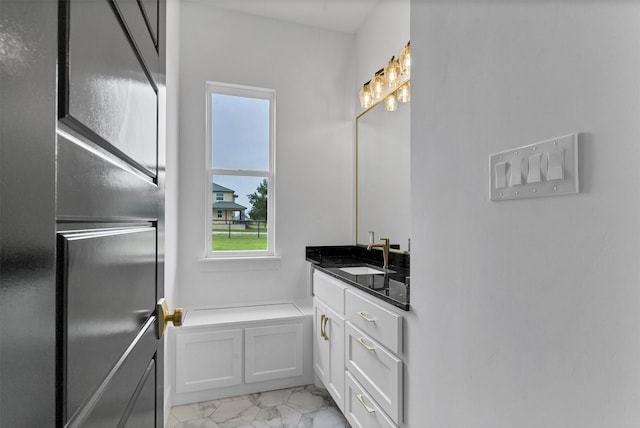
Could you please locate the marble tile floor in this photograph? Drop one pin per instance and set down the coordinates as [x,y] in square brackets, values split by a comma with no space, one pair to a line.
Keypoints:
[301,407]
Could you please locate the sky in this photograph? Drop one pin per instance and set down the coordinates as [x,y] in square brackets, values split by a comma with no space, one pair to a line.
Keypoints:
[240,140]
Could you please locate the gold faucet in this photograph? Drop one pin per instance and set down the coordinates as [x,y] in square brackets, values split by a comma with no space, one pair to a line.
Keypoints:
[385,251]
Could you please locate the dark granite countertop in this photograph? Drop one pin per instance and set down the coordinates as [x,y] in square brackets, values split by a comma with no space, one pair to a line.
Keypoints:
[391,287]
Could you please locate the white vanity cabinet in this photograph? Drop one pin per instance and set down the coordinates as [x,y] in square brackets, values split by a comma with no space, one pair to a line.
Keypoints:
[378,370]
[328,334]
[369,388]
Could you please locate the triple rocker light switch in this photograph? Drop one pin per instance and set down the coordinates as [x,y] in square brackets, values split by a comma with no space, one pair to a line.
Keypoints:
[546,168]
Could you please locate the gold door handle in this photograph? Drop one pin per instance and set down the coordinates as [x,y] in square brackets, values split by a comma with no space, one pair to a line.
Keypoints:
[367,347]
[364,317]
[361,400]
[326,320]
[165,317]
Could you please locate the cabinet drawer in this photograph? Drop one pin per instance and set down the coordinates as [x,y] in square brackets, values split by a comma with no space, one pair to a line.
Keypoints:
[361,410]
[376,321]
[330,291]
[378,370]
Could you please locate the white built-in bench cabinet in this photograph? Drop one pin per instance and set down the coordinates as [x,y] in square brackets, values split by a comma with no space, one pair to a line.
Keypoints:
[357,352]
[233,351]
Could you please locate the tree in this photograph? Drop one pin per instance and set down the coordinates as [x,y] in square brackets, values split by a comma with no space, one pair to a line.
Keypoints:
[258,200]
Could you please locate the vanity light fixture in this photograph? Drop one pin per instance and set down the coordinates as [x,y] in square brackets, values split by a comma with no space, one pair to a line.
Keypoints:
[391,102]
[387,83]
[392,72]
[405,59]
[403,94]
[377,84]
[366,97]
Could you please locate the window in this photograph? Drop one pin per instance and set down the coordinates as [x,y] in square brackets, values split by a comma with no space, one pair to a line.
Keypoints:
[240,189]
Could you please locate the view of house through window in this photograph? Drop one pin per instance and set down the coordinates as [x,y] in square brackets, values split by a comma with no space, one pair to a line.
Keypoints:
[239,171]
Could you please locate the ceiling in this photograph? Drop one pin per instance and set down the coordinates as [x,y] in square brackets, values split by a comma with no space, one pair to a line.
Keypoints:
[338,15]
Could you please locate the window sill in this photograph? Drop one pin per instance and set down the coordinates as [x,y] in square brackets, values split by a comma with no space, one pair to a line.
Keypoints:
[237,264]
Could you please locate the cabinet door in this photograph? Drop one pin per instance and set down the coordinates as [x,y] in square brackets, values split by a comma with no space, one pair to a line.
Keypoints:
[320,344]
[328,350]
[208,360]
[334,330]
[273,352]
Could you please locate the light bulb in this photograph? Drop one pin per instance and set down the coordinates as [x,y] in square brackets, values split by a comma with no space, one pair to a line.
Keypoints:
[366,98]
[405,59]
[377,86]
[392,72]
[404,93]
[391,102]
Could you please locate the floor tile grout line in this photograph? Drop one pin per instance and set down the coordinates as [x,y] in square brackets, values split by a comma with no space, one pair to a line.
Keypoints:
[253,399]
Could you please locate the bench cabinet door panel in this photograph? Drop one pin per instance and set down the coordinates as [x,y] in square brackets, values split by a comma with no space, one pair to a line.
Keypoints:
[273,352]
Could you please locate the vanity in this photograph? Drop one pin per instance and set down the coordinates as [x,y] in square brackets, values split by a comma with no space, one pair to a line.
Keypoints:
[358,331]
[361,292]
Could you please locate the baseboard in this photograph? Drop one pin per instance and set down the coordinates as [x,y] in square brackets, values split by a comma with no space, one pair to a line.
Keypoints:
[243,389]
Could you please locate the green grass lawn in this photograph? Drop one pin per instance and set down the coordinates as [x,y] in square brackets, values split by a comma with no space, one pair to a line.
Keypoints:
[239,242]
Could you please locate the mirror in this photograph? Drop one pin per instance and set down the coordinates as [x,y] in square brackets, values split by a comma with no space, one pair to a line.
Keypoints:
[383,196]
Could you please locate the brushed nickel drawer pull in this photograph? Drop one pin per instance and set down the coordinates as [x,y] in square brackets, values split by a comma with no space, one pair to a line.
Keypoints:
[368,409]
[364,317]
[367,347]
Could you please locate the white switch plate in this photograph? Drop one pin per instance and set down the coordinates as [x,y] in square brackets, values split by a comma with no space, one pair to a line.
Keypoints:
[566,145]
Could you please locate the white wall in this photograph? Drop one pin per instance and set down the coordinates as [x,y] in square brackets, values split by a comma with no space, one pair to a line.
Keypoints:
[171,184]
[383,35]
[311,71]
[524,313]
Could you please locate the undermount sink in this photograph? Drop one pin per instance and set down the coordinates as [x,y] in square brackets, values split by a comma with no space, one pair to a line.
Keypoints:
[362,270]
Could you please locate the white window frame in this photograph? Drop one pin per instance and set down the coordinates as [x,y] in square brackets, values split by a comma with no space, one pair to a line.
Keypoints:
[250,92]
